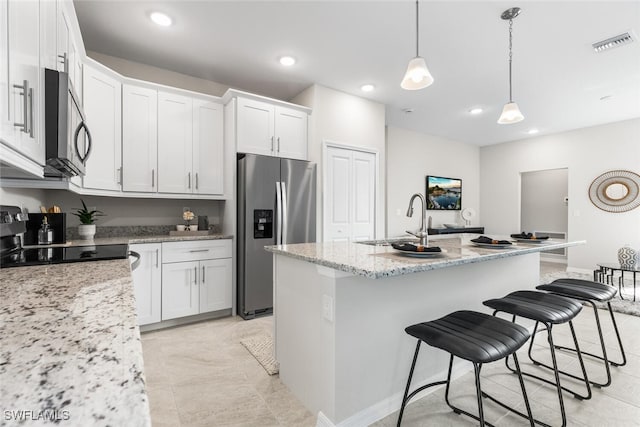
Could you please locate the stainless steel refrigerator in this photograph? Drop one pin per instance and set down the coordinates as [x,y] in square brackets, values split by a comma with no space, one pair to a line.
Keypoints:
[276,205]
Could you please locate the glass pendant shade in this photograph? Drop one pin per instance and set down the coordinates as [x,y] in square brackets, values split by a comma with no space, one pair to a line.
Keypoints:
[510,114]
[417,75]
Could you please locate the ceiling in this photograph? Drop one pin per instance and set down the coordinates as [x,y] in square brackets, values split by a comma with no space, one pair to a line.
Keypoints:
[558,80]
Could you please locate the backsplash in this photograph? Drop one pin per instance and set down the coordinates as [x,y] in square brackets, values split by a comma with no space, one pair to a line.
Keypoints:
[126,230]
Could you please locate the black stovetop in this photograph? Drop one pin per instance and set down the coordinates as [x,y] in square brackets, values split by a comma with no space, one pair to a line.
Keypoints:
[58,255]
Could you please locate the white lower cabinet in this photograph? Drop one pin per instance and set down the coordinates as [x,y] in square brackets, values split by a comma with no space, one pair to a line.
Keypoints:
[147,282]
[200,285]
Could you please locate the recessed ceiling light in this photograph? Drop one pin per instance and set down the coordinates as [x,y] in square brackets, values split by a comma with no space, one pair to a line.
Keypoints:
[367,88]
[475,111]
[161,19]
[287,61]
[533,131]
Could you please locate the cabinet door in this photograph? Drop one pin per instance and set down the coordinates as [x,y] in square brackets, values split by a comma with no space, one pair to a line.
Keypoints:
[175,143]
[147,284]
[291,133]
[180,289]
[255,127]
[208,147]
[23,66]
[103,108]
[215,285]
[139,139]
[62,45]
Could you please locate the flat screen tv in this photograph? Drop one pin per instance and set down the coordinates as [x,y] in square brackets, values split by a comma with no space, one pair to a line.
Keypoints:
[444,193]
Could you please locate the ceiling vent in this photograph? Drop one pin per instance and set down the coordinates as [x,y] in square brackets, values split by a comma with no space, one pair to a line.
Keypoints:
[610,43]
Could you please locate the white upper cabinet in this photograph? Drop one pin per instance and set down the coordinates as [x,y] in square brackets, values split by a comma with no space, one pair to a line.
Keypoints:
[255,127]
[291,133]
[139,139]
[270,129]
[208,147]
[20,78]
[103,111]
[175,116]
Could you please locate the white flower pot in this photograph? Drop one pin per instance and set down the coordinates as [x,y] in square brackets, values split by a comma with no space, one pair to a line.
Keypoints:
[87,231]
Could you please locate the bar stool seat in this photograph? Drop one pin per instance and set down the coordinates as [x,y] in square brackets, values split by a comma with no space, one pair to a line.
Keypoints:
[591,292]
[537,306]
[550,310]
[583,289]
[476,337]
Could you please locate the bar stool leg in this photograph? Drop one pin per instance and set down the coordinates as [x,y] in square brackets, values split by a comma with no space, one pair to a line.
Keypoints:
[476,371]
[615,327]
[406,390]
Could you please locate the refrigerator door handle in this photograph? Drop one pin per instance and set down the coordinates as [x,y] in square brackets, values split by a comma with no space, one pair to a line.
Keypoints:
[283,237]
[278,214]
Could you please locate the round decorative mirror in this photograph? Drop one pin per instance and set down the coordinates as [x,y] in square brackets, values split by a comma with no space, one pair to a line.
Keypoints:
[616,191]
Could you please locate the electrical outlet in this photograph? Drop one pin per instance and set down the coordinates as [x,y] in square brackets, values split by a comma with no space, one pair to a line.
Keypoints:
[327,307]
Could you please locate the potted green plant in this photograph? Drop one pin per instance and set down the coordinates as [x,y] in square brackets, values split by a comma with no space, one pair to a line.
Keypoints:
[87,227]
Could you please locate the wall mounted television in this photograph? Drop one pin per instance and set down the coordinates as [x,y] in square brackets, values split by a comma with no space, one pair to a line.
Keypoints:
[444,193]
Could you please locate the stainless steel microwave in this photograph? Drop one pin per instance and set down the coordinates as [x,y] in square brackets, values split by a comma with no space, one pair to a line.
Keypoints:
[67,137]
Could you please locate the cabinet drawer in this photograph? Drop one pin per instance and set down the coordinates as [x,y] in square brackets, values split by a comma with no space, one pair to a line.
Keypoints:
[195,250]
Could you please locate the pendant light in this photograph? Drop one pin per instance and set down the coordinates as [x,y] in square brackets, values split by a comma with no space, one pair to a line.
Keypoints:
[510,113]
[417,75]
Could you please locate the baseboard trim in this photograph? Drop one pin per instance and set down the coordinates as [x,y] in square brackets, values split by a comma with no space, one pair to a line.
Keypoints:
[391,404]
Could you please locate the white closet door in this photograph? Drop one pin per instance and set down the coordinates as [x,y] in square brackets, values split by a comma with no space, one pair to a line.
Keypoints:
[349,195]
[363,197]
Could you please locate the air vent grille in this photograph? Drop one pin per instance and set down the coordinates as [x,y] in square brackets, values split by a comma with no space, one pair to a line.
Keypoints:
[616,41]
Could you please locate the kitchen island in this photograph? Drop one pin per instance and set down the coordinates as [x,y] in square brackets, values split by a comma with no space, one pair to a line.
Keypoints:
[340,310]
[70,346]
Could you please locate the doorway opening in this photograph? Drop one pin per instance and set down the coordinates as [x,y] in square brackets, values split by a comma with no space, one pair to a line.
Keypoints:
[544,207]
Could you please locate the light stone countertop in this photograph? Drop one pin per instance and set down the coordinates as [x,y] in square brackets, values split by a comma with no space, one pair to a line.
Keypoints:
[375,261]
[70,344]
[135,240]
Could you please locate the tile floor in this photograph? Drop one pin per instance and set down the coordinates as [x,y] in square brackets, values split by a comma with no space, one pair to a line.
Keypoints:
[200,375]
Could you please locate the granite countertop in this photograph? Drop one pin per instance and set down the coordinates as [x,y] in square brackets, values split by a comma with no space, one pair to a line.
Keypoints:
[378,259]
[70,346]
[136,239]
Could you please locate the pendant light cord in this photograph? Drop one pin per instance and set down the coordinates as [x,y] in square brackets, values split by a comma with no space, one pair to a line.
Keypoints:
[510,56]
[417,31]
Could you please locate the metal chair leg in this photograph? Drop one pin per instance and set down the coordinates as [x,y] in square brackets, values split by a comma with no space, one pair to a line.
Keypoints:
[406,390]
[615,327]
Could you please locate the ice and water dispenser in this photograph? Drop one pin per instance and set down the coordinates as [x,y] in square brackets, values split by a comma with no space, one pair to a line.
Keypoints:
[263,223]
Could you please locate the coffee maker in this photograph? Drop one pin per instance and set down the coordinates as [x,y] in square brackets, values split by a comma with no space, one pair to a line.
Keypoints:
[12,224]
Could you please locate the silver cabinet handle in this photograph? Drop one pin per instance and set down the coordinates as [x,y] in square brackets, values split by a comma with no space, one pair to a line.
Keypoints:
[272,144]
[157,257]
[199,250]
[25,106]
[189,175]
[278,144]
[203,274]
[31,133]
[153,178]
[196,180]
[195,275]
[64,61]
[119,173]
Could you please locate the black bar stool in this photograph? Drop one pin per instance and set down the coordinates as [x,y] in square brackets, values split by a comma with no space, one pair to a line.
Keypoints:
[590,292]
[476,337]
[549,310]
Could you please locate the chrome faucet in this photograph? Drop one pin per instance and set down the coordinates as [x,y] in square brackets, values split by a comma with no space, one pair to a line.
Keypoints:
[423,233]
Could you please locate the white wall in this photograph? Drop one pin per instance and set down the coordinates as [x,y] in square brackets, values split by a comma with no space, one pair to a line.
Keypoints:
[586,153]
[27,199]
[350,120]
[410,157]
[120,211]
[149,73]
